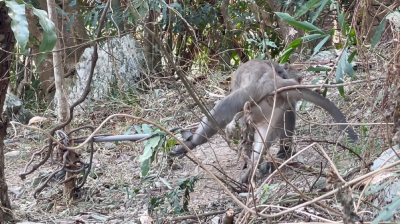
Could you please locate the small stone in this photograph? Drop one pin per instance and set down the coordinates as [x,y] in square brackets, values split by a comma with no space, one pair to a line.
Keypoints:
[16,190]
[243,195]
[140,195]
[13,155]
[109,145]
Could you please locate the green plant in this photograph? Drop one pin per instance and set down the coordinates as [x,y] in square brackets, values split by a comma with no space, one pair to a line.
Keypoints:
[19,25]
[185,186]
[267,192]
[314,33]
[178,199]
[152,146]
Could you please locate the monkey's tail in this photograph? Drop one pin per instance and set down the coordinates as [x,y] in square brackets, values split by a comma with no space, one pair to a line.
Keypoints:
[326,104]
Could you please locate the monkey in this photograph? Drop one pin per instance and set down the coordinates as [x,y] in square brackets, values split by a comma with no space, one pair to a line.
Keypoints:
[287,125]
[251,72]
[254,81]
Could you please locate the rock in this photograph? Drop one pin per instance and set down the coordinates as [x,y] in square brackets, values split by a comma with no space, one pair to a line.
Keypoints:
[16,190]
[215,220]
[184,174]
[14,109]
[13,155]
[324,56]
[121,69]
[384,156]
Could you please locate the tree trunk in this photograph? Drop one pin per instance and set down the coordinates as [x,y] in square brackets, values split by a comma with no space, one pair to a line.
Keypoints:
[152,50]
[62,105]
[7,42]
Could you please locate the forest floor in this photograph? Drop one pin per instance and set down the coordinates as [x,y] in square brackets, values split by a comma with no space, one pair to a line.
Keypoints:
[116,192]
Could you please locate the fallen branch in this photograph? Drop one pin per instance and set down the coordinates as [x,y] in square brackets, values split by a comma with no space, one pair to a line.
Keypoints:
[181,218]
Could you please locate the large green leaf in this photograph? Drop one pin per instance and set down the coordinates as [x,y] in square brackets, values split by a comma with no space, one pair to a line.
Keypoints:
[145,167]
[149,147]
[304,25]
[146,129]
[388,212]
[320,44]
[289,50]
[305,8]
[343,66]
[49,33]
[351,57]
[378,33]
[19,25]
[319,69]
[321,7]
[312,37]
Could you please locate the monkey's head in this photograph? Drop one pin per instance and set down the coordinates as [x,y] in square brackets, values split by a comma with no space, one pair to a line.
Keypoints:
[293,73]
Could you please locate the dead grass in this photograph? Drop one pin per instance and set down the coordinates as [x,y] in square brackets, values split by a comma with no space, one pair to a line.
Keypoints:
[115,194]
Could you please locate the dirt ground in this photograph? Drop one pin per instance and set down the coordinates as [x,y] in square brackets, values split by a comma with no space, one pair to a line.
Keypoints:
[116,193]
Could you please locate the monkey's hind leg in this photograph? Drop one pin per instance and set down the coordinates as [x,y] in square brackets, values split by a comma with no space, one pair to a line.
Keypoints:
[286,135]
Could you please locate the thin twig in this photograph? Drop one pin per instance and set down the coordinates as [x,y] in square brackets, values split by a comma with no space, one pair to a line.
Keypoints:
[322,85]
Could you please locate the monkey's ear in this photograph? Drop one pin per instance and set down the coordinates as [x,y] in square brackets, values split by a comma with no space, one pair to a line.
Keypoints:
[286,66]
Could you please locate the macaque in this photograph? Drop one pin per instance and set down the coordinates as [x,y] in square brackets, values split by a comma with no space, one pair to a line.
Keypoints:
[254,81]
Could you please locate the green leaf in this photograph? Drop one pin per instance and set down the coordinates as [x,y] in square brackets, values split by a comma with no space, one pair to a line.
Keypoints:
[172,142]
[341,21]
[261,56]
[320,44]
[304,25]
[351,57]
[145,167]
[387,213]
[318,69]
[72,3]
[378,33]
[312,37]
[166,183]
[349,69]
[305,8]
[148,149]
[146,129]
[71,21]
[341,90]
[49,35]
[289,50]
[128,131]
[19,25]
[270,43]
[372,189]
[138,130]
[321,7]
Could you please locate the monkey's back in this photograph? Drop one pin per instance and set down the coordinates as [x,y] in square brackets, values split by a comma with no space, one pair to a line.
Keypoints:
[259,73]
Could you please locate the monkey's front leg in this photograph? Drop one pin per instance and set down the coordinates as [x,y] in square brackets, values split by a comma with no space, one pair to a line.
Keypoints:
[203,132]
